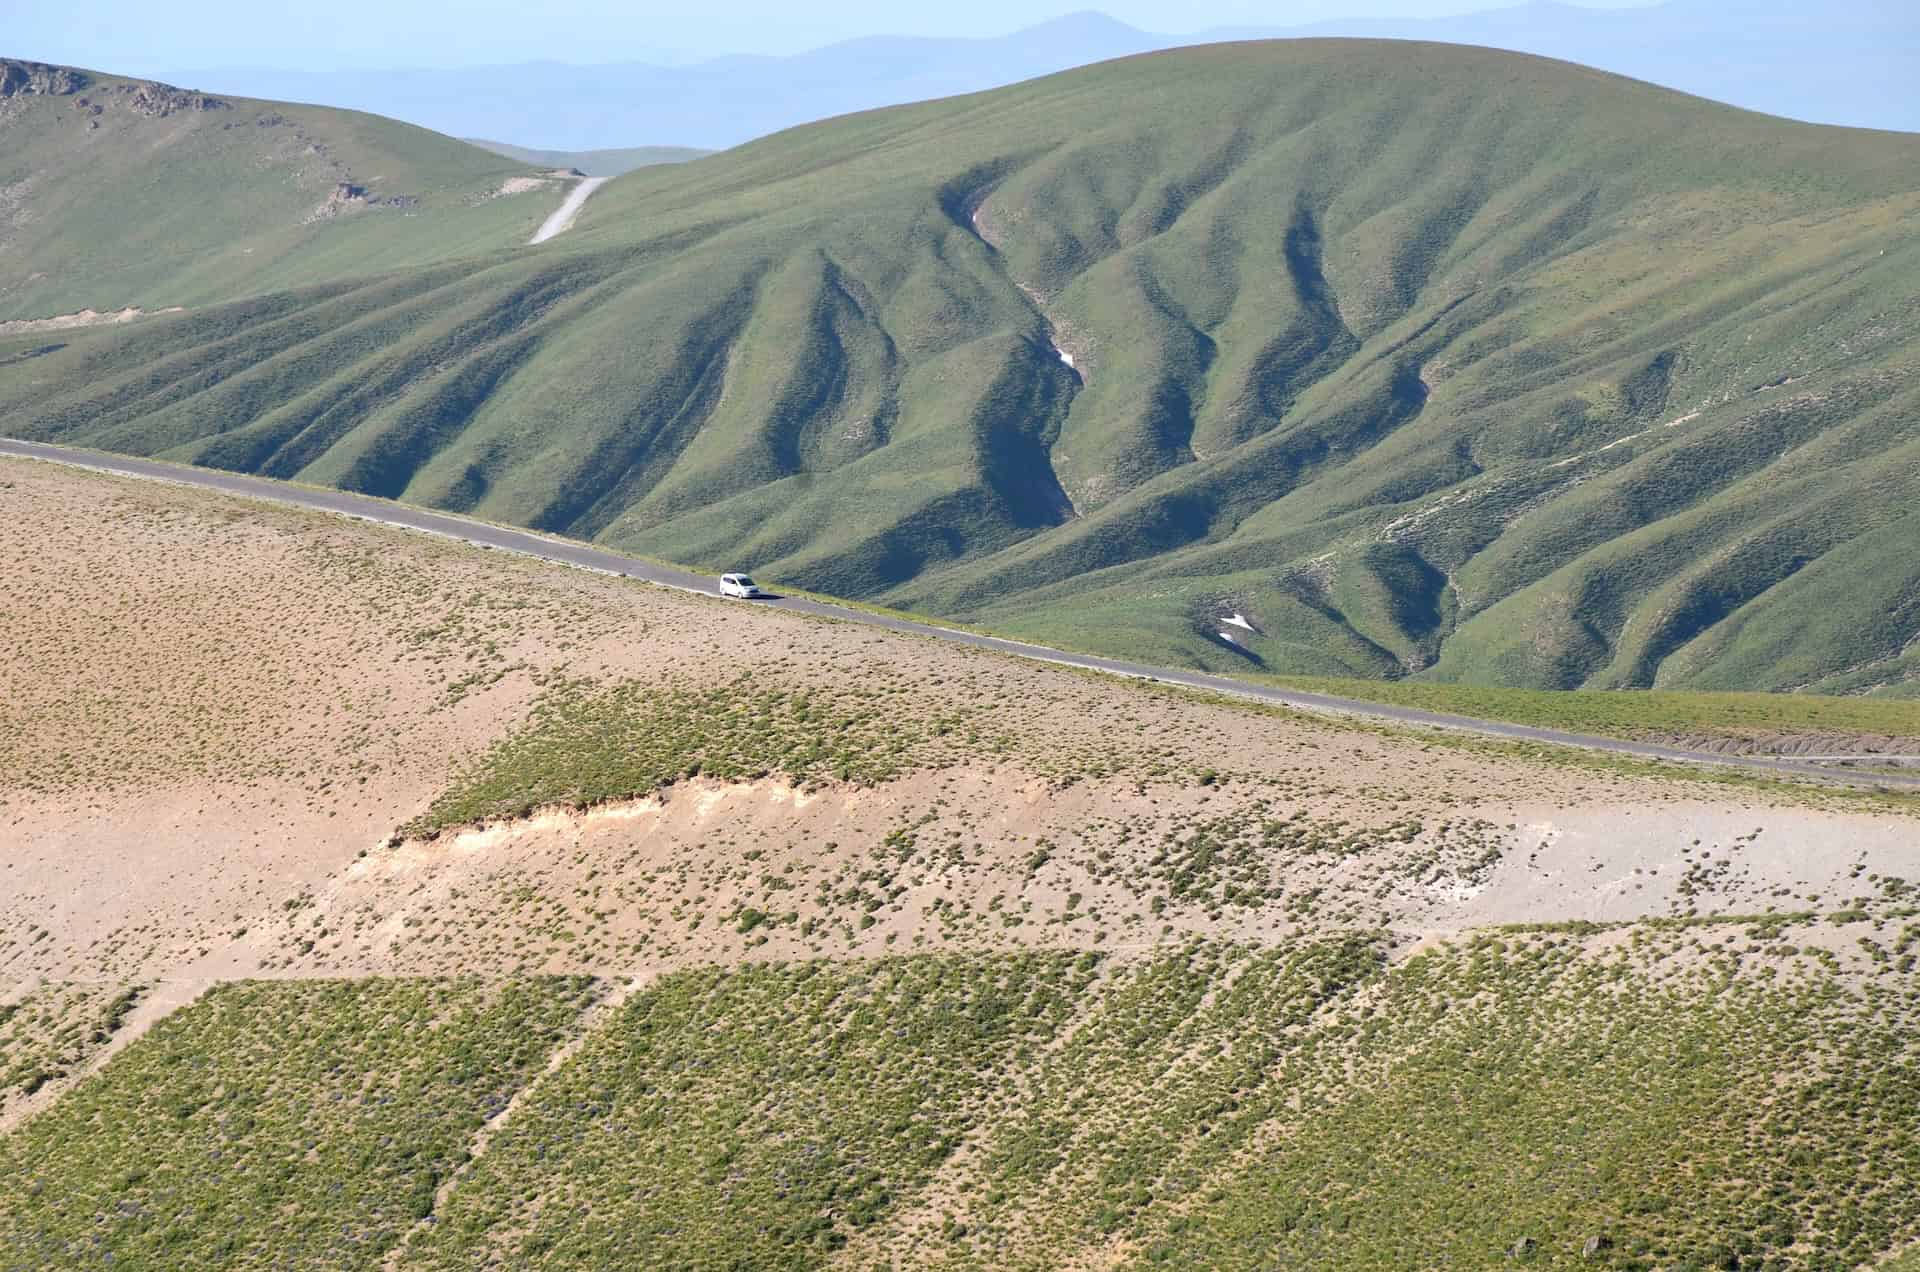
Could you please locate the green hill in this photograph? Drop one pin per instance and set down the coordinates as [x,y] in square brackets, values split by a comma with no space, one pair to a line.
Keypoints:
[595,163]
[1419,360]
[119,192]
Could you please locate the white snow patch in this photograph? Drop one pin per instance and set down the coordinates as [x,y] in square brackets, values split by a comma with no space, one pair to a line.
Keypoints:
[1238,620]
[1228,637]
[1066,360]
[1622,441]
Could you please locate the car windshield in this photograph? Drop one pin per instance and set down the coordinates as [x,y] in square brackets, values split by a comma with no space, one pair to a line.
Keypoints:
[743,580]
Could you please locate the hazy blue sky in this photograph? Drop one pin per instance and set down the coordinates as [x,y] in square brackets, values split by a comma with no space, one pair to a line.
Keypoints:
[142,36]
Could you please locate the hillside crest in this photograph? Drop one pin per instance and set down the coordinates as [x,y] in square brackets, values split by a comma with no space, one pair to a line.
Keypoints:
[1420,360]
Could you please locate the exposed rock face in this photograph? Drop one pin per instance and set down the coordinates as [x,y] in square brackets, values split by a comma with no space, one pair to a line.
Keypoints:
[146,98]
[156,101]
[85,318]
[37,79]
[345,197]
[349,197]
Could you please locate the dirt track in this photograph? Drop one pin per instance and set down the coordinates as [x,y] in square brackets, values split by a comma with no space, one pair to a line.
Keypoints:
[563,216]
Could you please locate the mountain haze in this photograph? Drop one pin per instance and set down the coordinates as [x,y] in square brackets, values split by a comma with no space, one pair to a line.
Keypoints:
[595,163]
[1850,62]
[712,104]
[386,891]
[1387,359]
[1843,63]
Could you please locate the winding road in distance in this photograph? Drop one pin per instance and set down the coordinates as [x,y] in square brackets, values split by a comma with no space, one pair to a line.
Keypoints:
[562,219]
[586,556]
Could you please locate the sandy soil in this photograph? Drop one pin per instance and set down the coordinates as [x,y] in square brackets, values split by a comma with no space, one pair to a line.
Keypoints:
[519,185]
[85,318]
[214,715]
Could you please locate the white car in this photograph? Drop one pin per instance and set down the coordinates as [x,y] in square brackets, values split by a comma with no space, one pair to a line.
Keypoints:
[739,585]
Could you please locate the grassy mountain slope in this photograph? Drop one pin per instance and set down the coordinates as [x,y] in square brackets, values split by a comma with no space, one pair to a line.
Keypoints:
[1633,1099]
[328,1111]
[1421,360]
[1224,1109]
[118,192]
[595,163]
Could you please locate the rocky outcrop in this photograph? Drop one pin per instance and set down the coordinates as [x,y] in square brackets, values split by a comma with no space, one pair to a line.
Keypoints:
[147,98]
[37,79]
[156,101]
[349,197]
[345,197]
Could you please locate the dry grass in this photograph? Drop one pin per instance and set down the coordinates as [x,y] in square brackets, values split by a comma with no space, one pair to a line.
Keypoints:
[221,715]
[218,713]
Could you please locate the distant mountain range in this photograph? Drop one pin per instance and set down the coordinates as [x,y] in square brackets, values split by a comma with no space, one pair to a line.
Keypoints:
[595,163]
[1848,62]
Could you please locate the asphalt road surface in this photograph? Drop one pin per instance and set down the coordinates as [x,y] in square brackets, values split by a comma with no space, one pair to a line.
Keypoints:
[585,556]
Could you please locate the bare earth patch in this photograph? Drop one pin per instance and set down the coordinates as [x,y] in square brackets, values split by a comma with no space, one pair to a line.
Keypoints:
[85,318]
[204,776]
[520,185]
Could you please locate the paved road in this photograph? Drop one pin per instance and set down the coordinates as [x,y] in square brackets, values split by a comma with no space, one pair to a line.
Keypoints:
[585,556]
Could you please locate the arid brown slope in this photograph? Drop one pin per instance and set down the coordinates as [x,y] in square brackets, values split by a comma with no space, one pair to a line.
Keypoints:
[218,715]
[1187,953]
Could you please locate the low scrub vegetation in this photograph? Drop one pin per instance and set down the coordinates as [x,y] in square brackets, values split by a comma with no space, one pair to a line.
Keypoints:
[1766,720]
[1704,1094]
[1699,1094]
[586,743]
[50,1032]
[1641,1098]
[274,1125]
